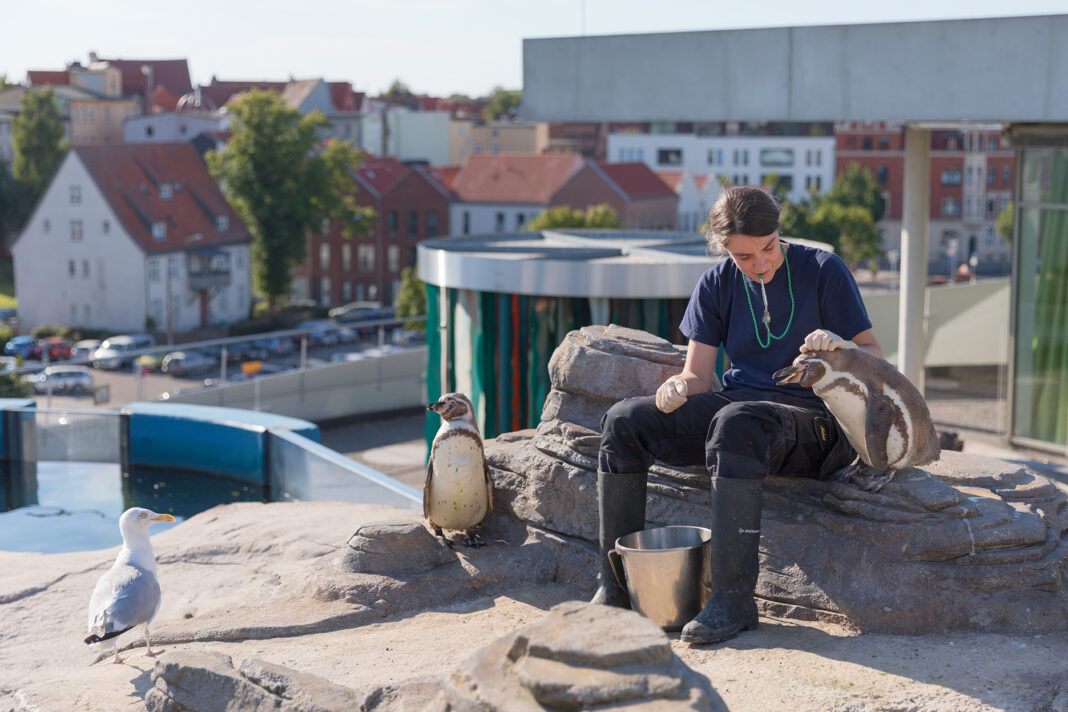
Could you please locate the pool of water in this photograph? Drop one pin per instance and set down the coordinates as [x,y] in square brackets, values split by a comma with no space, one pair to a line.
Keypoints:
[76,505]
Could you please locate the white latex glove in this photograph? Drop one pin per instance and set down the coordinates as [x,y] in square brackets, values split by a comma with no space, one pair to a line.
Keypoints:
[671,394]
[823,340]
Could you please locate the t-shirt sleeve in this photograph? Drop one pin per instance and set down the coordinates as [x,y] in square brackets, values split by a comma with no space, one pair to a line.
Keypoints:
[841,307]
[702,321]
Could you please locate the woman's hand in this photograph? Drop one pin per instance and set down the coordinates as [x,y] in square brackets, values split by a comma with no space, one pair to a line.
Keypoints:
[671,394]
[823,340]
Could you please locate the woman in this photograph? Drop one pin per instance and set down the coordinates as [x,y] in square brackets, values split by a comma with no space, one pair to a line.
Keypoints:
[770,303]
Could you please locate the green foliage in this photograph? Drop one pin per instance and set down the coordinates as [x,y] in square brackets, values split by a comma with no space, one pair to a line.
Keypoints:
[1004,223]
[42,330]
[6,334]
[501,102]
[596,216]
[459,97]
[775,182]
[844,217]
[4,83]
[282,186]
[398,89]
[12,386]
[16,201]
[37,137]
[411,299]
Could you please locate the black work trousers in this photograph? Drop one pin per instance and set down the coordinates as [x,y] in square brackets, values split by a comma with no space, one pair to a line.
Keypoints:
[735,433]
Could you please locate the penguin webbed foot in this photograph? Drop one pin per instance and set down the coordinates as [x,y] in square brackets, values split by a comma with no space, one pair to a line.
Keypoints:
[864,476]
[444,539]
[473,539]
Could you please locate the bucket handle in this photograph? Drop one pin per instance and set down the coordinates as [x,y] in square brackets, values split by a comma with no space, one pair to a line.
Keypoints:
[616,563]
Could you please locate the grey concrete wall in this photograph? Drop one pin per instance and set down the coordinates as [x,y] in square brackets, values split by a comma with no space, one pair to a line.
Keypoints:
[1004,69]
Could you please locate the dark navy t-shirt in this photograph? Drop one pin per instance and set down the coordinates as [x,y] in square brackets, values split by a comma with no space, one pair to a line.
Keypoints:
[825,297]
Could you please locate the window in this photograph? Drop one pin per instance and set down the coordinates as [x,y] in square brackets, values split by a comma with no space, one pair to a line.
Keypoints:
[498,224]
[520,220]
[851,143]
[75,230]
[324,290]
[106,227]
[365,258]
[71,268]
[777,157]
[324,256]
[359,291]
[75,195]
[669,157]
[413,223]
[950,207]
[222,223]
[992,144]
[172,265]
[85,268]
[477,148]
[431,223]
[991,207]
[393,259]
[346,285]
[1006,175]
[166,191]
[989,238]
[495,149]
[951,176]
[881,173]
[884,143]
[346,258]
[46,226]
[866,143]
[391,223]
[149,131]
[153,270]
[159,231]
[991,175]
[467,222]
[971,175]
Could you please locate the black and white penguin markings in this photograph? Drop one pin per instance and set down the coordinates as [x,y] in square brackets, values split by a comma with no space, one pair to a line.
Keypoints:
[881,413]
[459,491]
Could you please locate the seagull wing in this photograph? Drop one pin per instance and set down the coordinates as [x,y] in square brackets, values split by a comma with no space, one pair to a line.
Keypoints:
[124,597]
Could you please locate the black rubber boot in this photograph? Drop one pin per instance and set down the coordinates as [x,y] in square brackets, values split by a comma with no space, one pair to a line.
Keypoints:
[734,564]
[621,509]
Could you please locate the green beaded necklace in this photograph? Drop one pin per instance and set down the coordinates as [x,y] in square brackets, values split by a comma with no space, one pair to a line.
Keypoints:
[767,314]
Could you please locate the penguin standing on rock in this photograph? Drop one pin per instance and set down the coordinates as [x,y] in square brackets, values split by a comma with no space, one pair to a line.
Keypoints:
[883,416]
[459,491]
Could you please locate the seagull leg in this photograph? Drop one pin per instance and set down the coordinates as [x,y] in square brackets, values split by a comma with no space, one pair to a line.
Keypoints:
[148,646]
[116,660]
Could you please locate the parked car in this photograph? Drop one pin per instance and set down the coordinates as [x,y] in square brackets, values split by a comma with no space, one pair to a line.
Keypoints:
[275,346]
[62,379]
[320,333]
[114,352]
[58,348]
[355,311]
[188,363]
[149,362]
[24,346]
[84,348]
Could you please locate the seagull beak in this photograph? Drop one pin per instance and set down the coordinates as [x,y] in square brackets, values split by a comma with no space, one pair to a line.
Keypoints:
[790,374]
[162,518]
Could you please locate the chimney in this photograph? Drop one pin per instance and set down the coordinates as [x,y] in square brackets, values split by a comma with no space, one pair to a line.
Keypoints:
[146,69]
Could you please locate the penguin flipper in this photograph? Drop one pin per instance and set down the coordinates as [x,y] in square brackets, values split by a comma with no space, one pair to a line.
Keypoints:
[879,420]
[426,487]
[489,487]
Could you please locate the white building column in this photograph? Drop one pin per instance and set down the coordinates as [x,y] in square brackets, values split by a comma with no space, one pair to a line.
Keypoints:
[914,236]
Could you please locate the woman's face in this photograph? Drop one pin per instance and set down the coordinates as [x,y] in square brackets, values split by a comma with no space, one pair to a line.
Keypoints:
[756,256]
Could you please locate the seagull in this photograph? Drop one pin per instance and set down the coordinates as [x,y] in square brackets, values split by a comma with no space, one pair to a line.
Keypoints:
[128,594]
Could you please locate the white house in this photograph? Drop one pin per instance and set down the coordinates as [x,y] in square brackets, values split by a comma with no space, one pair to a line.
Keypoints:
[800,162]
[132,237]
[696,195]
[172,126]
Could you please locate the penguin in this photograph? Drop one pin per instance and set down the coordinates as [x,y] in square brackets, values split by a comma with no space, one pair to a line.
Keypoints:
[882,414]
[459,491]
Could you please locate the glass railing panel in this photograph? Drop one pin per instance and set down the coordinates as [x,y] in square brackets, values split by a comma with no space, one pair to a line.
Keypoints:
[77,435]
[302,469]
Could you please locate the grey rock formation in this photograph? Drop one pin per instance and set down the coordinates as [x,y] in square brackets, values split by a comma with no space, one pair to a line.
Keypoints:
[393,547]
[968,543]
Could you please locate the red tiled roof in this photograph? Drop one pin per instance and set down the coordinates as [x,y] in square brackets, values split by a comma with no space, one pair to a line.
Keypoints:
[514,178]
[382,172]
[445,176]
[129,175]
[701,179]
[220,92]
[344,98]
[637,180]
[163,100]
[47,77]
[670,178]
[170,73]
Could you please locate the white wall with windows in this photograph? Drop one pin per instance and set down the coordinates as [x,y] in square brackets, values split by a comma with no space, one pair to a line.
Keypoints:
[799,161]
[155,128]
[480,218]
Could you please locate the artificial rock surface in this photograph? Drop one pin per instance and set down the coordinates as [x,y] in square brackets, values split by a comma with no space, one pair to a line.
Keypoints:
[967,543]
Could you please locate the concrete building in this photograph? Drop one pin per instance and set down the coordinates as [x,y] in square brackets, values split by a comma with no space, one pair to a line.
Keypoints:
[800,162]
[469,137]
[131,238]
[63,96]
[172,126]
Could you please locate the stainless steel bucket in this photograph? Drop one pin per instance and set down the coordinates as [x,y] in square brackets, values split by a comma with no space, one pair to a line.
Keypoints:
[666,572]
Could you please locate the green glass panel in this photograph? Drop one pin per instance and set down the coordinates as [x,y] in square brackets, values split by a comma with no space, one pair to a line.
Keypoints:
[434,353]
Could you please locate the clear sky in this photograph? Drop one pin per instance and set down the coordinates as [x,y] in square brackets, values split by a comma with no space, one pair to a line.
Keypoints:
[435,46]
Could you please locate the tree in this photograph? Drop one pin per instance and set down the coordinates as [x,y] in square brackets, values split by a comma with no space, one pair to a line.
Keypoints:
[398,89]
[411,299]
[596,216]
[857,185]
[4,83]
[16,201]
[37,137]
[282,186]
[501,102]
[858,240]
[1005,222]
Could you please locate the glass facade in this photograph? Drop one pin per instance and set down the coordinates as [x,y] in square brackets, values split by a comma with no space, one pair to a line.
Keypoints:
[1040,358]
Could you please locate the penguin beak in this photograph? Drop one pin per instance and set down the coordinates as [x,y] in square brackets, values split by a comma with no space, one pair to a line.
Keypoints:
[790,374]
[436,407]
